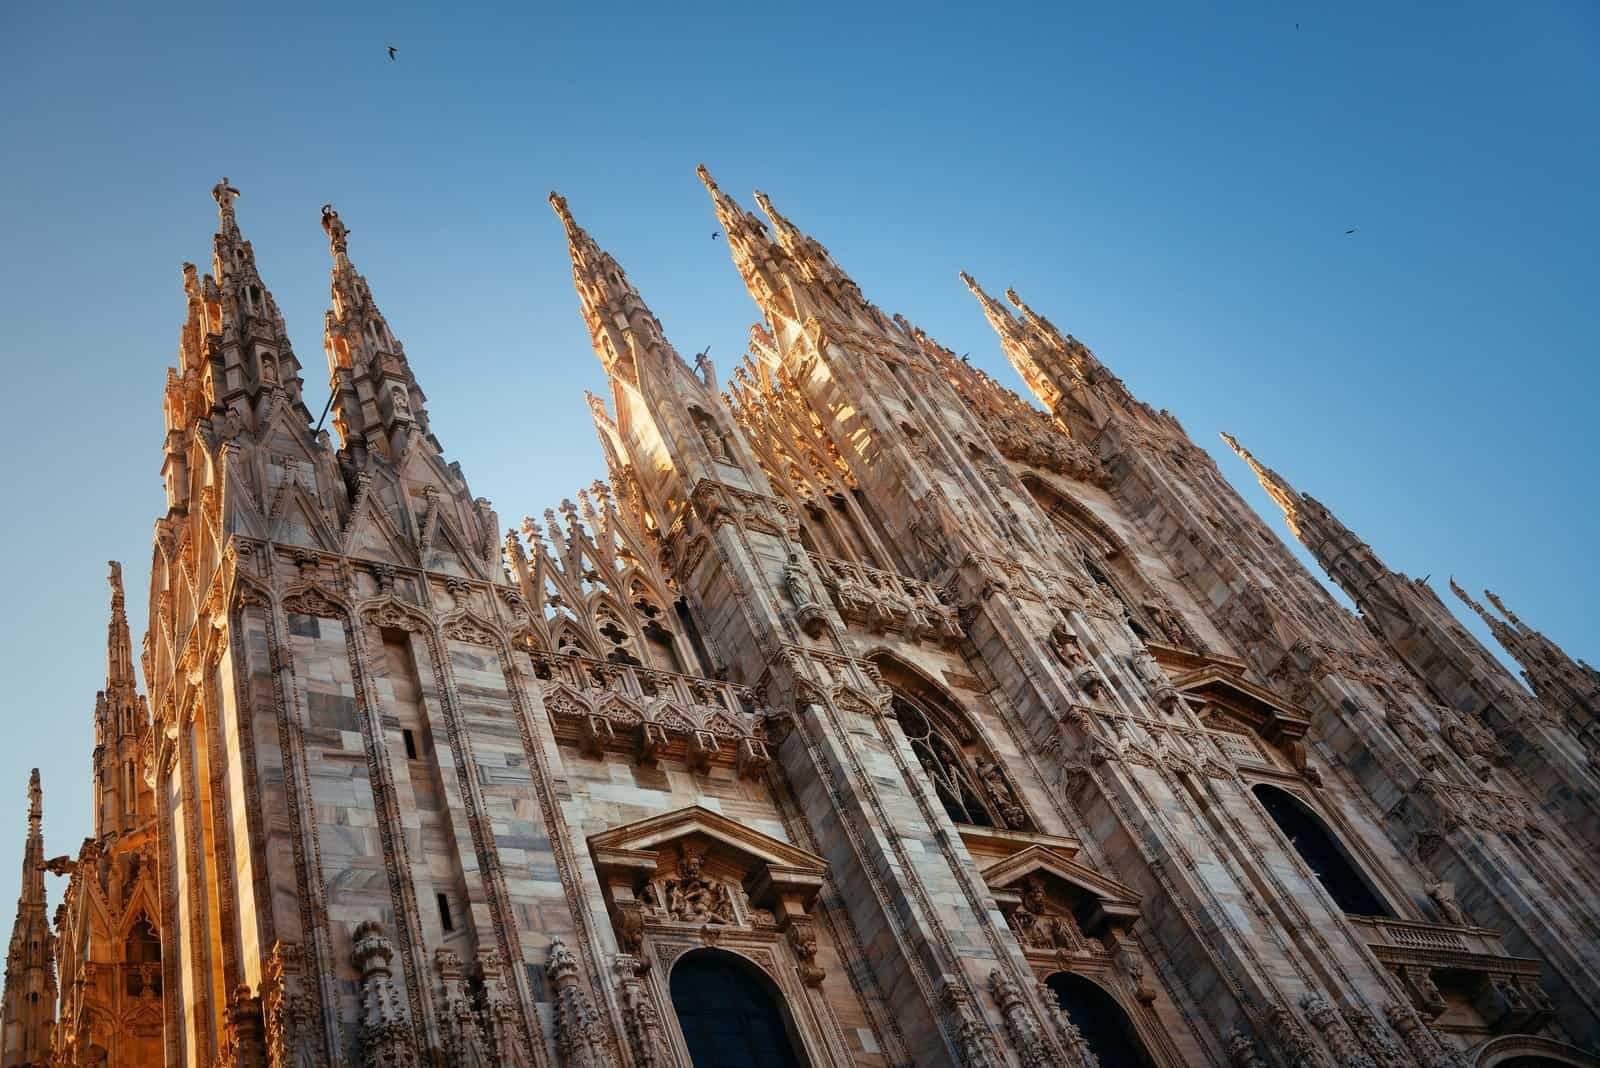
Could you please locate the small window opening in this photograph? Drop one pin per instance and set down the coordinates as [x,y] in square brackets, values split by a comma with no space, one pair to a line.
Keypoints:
[411,743]
[445,919]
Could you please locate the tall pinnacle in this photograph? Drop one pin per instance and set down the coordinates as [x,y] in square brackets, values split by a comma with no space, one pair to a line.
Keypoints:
[1276,485]
[622,327]
[234,325]
[119,644]
[29,1000]
[378,399]
[1568,687]
[121,718]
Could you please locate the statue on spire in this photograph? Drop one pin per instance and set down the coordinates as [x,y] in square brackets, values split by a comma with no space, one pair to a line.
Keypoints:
[224,194]
[338,233]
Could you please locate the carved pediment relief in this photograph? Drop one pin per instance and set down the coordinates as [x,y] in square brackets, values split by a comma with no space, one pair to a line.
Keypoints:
[699,868]
[1231,702]
[1057,897]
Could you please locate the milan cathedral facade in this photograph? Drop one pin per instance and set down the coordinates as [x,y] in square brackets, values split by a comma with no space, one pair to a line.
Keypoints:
[868,714]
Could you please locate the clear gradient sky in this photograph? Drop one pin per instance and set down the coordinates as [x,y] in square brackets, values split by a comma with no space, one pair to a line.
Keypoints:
[1172,186]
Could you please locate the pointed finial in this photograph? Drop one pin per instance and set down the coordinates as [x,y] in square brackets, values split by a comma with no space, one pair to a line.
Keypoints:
[1466,599]
[705,177]
[338,233]
[1276,485]
[559,202]
[1498,603]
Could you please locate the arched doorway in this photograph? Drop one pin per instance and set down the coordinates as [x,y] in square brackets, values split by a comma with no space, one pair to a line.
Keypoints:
[1322,852]
[1104,1026]
[1532,1051]
[731,1014]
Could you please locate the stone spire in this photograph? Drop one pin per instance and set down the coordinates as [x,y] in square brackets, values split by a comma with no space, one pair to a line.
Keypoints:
[122,797]
[254,347]
[1016,340]
[621,326]
[1347,559]
[790,275]
[28,1004]
[1277,487]
[379,406]
[664,407]
[1061,371]
[1567,686]
[236,368]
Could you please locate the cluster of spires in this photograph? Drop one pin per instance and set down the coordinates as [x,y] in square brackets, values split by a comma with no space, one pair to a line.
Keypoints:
[623,330]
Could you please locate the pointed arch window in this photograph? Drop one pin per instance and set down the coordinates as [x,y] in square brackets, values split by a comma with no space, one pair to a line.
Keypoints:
[971,784]
[142,956]
[941,758]
[1322,852]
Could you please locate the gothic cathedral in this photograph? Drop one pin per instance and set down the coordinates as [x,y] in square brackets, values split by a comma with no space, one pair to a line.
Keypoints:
[869,714]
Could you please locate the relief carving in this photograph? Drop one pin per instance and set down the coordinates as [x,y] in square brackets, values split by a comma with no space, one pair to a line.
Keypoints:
[691,898]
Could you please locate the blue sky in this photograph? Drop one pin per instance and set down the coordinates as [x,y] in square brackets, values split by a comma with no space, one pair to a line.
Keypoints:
[1173,186]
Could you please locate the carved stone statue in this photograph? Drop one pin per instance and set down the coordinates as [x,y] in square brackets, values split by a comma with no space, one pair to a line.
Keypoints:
[1040,928]
[694,899]
[1444,896]
[338,233]
[994,782]
[713,440]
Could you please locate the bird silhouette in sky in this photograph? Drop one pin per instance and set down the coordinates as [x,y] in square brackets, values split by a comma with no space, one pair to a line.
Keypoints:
[1352,230]
[715,234]
[392,51]
[964,357]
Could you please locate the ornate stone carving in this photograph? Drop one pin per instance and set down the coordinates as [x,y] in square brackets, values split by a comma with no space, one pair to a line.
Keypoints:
[802,935]
[580,1036]
[1027,1037]
[808,612]
[387,1040]
[1444,896]
[244,1043]
[1424,1045]
[646,1034]
[974,1044]
[458,1015]
[1038,925]
[1242,1052]
[1320,1011]
[691,898]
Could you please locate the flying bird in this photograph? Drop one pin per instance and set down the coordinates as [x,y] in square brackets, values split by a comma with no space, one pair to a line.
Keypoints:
[715,234]
[964,357]
[392,51]
[1352,230]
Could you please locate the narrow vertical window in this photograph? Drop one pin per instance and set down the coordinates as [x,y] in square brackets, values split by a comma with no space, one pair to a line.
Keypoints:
[411,743]
[445,919]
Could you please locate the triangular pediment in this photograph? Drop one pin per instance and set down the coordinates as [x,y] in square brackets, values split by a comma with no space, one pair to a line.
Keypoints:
[1242,705]
[653,834]
[373,535]
[1114,898]
[298,519]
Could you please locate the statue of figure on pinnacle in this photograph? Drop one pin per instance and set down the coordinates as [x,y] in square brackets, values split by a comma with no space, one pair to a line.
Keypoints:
[224,195]
[338,233]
